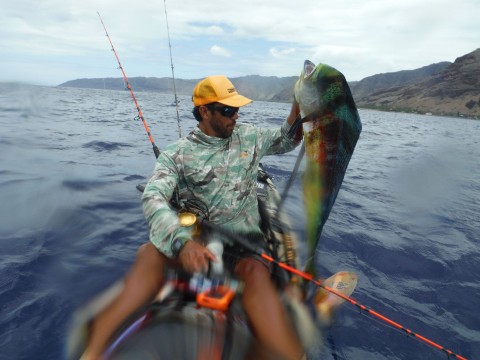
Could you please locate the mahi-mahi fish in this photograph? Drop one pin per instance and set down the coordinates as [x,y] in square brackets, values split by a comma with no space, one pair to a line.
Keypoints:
[331,127]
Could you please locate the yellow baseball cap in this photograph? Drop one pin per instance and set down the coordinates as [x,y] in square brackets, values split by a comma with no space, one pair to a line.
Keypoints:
[219,89]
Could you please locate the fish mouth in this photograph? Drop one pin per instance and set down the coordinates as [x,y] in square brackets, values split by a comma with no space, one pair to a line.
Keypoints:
[308,68]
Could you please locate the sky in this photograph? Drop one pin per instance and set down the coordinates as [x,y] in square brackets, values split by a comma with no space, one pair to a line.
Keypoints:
[48,42]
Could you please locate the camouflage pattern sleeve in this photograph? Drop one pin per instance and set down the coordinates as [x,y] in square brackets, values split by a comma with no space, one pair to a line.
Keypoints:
[277,141]
[162,219]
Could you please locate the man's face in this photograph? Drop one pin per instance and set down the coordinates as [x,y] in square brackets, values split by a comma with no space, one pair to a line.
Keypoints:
[221,121]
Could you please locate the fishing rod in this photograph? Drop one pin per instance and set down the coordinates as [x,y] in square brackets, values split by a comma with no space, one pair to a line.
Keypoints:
[156,151]
[308,277]
[173,74]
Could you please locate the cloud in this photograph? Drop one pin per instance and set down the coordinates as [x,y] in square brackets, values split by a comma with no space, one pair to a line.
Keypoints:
[280,53]
[214,30]
[269,37]
[220,51]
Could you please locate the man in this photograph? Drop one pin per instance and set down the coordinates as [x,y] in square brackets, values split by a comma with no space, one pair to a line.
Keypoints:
[215,165]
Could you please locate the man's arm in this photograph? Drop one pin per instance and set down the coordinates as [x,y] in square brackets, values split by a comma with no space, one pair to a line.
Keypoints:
[165,230]
[162,219]
[294,112]
[277,141]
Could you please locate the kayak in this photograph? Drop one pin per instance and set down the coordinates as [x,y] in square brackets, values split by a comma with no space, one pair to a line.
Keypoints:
[177,327]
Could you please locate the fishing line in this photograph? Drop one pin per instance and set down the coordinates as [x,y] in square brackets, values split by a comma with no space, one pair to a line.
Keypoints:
[173,74]
[156,151]
[363,309]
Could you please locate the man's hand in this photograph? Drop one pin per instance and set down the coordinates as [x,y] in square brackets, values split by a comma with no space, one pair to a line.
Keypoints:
[194,257]
[294,112]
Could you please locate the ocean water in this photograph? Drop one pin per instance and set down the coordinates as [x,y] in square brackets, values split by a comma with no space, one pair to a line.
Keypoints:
[406,219]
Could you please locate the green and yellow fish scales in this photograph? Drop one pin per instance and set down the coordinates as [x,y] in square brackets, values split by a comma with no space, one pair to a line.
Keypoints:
[331,126]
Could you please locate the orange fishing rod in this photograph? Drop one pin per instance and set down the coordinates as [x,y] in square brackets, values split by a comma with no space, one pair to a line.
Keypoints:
[362,308]
[140,114]
[319,283]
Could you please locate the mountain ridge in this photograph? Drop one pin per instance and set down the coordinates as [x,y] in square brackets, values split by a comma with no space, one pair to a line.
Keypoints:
[453,91]
[445,88]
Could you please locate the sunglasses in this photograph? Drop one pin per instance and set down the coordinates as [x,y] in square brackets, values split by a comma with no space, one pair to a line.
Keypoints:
[226,111]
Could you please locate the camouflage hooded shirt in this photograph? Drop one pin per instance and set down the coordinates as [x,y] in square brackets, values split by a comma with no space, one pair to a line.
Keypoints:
[221,173]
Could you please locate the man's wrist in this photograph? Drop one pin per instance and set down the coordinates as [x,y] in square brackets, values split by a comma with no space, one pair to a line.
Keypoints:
[177,245]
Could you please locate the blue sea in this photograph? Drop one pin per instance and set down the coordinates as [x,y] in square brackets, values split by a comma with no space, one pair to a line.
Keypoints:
[407,219]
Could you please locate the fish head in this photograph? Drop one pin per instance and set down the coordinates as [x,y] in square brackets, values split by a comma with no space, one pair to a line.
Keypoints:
[320,88]
[306,93]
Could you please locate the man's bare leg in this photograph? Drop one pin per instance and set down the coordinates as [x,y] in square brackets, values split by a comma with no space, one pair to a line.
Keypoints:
[265,311]
[141,284]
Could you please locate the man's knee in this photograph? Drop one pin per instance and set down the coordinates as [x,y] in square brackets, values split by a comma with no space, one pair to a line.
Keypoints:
[148,253]
[252,270]
[145,249]
[149,262]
